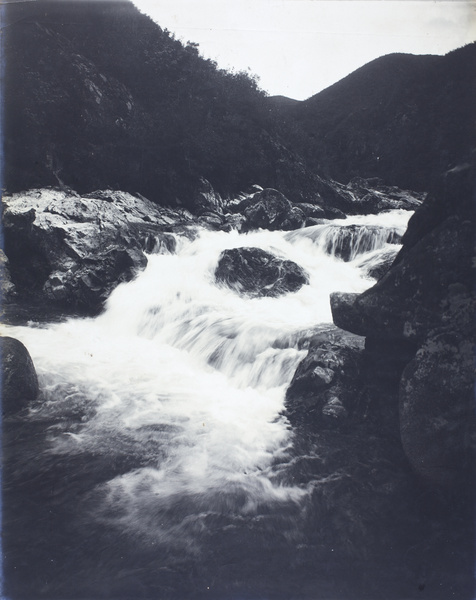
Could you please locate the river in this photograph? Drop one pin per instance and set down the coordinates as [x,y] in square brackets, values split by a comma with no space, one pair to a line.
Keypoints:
[157,462]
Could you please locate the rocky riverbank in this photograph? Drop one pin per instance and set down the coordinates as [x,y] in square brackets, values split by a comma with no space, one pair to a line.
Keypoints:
[404,381]
[67,252]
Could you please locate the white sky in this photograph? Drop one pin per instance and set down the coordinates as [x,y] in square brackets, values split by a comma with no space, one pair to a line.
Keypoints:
[299,47]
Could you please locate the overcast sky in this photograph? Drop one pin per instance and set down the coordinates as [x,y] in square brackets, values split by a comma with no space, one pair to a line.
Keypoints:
[299,47]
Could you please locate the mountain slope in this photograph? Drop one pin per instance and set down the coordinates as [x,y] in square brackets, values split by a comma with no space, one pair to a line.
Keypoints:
[97,95]
[403,118]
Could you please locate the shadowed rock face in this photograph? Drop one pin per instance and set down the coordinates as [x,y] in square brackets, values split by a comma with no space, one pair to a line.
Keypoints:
[427,299]
[19,380]
[254,272]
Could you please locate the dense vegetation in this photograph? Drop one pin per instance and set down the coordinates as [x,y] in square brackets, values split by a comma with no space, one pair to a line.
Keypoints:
[98,95]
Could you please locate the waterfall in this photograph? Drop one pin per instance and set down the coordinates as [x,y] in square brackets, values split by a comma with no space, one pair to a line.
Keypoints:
[175,392]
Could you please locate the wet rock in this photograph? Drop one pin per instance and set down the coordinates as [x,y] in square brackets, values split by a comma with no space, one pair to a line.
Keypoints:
[271,210]
[327,383]
[211,220]
[73,250]
[233,221]
[334,213]
[254,272]
[294,219]
[19,379]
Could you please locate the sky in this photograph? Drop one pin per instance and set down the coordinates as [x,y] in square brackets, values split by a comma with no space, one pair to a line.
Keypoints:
[297,48]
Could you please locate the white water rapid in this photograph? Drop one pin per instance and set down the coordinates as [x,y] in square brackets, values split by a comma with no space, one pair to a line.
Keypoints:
[181,382]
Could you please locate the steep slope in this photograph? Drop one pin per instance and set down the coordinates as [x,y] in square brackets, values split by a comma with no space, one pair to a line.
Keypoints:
[97,95]
[403,118]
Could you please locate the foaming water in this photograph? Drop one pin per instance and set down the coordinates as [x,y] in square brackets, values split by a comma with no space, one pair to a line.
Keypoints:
[181,382]
[349,239]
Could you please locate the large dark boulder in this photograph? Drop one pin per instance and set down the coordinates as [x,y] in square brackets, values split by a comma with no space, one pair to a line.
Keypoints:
[254,272]
[452,195]
[19,384]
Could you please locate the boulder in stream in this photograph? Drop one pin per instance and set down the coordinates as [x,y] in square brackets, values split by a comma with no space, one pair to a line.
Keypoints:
[254,272]
[19,379]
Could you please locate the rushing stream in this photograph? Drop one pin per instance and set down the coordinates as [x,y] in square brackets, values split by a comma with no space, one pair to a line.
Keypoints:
[158,461]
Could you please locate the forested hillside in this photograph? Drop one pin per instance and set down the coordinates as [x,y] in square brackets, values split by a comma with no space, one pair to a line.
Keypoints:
[98,95]
[403,118]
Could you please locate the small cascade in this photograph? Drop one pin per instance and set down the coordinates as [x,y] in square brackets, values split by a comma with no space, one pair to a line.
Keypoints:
[347,242]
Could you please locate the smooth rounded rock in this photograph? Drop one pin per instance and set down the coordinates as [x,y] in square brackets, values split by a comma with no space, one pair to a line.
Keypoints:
[19,384]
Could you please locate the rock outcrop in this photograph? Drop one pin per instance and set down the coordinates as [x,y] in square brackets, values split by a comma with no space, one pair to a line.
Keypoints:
[371,196]
[19,379]
[72,251]
[426,300]
[255,273]
[413,297]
